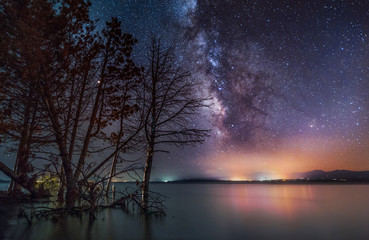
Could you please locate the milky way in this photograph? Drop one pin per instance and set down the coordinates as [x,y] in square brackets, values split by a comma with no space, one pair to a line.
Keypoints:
[288,79]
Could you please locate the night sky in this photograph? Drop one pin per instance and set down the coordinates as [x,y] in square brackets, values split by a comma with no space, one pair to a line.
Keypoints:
[311,57]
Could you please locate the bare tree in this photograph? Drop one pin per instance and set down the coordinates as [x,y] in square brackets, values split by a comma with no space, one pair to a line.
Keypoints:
[23,64]
[65,78]
[170,104]
[115,73]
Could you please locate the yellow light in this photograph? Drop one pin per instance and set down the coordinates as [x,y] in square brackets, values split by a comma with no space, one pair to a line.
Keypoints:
[237,179]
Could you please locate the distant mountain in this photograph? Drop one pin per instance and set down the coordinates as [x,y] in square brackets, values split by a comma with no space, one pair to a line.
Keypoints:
[337,174]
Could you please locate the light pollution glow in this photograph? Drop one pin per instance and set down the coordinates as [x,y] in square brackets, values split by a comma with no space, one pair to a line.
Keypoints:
[318,72]
[297,155]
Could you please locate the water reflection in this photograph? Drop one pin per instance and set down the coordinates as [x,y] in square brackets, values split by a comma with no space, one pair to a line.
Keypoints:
[286,201]
[225,211]
[147,227]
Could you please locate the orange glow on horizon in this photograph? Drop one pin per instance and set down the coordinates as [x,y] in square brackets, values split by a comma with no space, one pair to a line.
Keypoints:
[297,155]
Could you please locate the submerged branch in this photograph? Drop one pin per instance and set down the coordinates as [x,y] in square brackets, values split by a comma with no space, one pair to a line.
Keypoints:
[92,205]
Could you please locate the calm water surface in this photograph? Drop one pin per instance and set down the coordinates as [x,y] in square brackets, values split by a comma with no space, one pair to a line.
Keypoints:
[225,211]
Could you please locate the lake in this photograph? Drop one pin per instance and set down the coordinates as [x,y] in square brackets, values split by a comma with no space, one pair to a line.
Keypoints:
[224,211]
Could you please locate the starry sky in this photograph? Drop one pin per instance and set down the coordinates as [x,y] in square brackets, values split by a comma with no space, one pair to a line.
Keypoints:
[289,82]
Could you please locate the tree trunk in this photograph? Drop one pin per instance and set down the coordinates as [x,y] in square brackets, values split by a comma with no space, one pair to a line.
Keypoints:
[78,112]
[112,173]
[114,164]
[72,192]
[150,136]
[12,184]
[24,181]
[62,185]
[92,122]
[146,177]
[21,160]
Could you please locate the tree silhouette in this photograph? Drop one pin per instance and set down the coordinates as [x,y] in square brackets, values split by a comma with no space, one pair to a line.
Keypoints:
[170,105]
[65,82]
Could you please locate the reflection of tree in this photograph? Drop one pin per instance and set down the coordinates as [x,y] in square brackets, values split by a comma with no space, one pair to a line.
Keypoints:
[147,227]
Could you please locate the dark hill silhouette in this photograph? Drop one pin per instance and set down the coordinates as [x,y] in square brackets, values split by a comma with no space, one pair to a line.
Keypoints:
[337,174]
